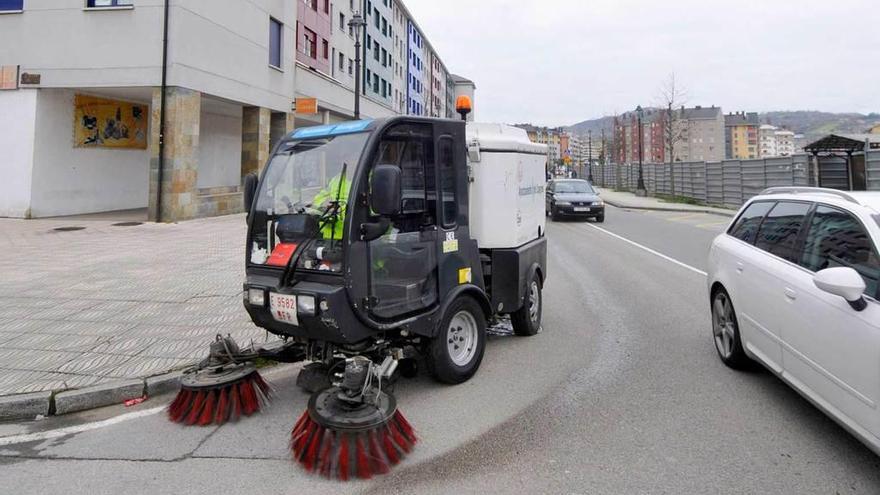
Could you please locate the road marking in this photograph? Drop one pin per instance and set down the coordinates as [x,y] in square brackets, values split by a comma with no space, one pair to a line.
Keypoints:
[646,248]
[70,430]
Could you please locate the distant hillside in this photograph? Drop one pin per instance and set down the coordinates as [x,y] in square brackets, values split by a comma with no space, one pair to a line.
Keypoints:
[812,125]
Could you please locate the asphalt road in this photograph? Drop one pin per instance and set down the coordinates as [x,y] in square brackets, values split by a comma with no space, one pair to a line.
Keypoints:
[621,393]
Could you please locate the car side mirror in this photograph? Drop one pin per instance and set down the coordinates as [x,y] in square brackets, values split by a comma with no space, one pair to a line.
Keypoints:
[385,191]
[844,282]
[250,191]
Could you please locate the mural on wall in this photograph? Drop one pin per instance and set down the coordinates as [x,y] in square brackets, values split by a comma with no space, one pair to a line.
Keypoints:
[103,123]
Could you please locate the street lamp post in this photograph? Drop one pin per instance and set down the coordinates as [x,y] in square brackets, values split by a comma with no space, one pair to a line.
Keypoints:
[590,155]
[640,187]
[357,23]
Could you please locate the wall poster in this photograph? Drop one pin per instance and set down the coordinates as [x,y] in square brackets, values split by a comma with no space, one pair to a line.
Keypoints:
[105,123]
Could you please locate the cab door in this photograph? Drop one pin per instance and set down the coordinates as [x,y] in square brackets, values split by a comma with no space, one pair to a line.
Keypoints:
[402,262]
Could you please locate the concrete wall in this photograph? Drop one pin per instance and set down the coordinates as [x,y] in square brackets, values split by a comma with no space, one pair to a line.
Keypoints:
[219,147]
[17,123]
[69,180]
[72,47]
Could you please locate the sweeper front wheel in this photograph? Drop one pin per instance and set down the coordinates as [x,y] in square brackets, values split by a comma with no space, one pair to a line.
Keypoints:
[454,355]
[527,320]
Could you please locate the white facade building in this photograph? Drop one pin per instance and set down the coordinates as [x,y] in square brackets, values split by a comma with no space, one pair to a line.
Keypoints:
[774,141]
[80,108]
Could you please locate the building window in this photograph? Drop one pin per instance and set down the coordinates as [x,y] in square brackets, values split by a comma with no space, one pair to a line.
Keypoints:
[326,6]
[341,21]
[341,62]
[376,51]
[384,58]
[13,5]
[310,43]
[276,32]
[375,84]
[89,3]
[350,67]
[326,49]
[313,4]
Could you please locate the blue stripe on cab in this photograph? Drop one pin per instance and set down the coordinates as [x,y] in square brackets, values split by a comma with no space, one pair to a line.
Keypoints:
[331,130]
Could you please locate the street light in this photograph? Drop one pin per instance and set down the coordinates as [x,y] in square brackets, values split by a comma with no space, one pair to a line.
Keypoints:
[640,187]
[357,23]
[590,156]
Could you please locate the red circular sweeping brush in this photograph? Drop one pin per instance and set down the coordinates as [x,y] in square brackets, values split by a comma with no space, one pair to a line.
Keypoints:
[219,394]
[341,437]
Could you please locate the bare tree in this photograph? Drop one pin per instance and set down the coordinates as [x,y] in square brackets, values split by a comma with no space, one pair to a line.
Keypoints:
[672,96]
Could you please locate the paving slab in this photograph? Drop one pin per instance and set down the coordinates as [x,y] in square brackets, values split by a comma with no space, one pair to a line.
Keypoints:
[104,304]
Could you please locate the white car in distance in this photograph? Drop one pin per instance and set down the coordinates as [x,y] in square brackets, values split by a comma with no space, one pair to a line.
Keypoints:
[794,284]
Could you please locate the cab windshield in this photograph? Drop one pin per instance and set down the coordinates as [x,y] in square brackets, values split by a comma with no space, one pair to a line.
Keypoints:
[303,198]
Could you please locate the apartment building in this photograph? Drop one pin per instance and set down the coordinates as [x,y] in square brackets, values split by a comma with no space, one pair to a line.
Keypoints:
[415,95]
[702,135]
[776,142]
[81,112]
[379,75]
[626,136]
[81,93]
[741,136]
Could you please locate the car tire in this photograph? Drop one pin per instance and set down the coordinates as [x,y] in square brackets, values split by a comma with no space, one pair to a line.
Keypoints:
[600,218]
[455,353]
[725,332]
[527,319]
[554,214]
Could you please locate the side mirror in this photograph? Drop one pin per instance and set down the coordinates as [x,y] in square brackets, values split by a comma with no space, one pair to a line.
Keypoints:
[844,282]
[385,192]
[250,190]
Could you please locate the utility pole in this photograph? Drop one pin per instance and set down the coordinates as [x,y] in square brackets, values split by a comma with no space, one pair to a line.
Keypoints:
[640,187]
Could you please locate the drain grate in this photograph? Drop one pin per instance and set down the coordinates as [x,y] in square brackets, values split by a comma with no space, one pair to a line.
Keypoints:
[127,224]
[68,229]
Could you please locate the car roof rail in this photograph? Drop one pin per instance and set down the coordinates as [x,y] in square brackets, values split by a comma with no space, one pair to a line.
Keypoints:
[810,190]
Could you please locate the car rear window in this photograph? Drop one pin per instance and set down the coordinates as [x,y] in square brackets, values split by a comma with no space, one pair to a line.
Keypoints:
[746,226]
[780,228]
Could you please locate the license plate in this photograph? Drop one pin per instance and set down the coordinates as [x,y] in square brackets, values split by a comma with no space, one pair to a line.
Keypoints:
[283,308]
[582,209]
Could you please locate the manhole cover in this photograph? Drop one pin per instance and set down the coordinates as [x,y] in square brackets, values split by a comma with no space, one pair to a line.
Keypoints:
[127,224]
[68,229]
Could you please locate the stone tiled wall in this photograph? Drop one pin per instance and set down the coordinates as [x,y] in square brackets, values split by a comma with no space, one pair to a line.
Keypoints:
[183,119]
[255,131]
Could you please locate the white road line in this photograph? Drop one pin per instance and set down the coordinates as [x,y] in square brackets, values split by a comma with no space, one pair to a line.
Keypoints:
[646,248]
[70,430]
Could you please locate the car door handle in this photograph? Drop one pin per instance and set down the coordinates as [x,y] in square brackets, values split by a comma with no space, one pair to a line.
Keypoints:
[740,266]
[790,293]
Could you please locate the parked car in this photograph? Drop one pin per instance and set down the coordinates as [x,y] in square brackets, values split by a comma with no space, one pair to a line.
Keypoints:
[574,198]
[794,284]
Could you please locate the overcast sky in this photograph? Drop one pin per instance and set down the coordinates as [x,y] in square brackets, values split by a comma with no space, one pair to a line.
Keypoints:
[557,62]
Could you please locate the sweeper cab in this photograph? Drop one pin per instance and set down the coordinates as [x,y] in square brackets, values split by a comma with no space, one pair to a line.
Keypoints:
[396,238]
[372,246]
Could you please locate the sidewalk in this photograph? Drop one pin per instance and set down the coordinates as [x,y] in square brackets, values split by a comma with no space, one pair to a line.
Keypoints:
[108,304]
[633,202]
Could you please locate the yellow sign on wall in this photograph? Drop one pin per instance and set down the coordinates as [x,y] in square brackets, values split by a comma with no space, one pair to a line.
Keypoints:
[103,123]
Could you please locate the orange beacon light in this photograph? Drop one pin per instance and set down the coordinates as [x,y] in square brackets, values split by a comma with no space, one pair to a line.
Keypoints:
[463,106]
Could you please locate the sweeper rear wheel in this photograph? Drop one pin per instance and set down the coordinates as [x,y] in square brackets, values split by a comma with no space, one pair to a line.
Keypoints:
[218,394]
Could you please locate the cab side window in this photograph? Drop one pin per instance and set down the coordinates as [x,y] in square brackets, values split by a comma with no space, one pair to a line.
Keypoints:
[746,226]
[779,231]
[410,147]
[835,238]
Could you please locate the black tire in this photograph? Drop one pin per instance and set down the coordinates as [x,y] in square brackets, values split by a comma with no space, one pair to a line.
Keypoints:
[524,324]
[440,362]
[600,218]
[554,214]
[725,332]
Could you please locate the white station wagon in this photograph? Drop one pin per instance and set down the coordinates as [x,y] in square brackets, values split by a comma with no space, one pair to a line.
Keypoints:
[794,284]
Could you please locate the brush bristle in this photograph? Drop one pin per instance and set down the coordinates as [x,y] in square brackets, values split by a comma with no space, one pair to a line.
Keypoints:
[207,406]
[343,455]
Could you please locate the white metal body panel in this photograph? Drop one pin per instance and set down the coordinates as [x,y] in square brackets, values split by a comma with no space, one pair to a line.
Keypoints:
[507,186]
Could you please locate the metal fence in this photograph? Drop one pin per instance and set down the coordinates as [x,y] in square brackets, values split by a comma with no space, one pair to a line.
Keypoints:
[731,183]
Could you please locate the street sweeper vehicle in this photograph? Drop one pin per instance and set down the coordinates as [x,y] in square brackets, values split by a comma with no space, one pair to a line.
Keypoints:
[374,245]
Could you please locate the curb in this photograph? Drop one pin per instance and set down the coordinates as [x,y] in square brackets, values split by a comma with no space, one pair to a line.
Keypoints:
[672,209]
[48,403]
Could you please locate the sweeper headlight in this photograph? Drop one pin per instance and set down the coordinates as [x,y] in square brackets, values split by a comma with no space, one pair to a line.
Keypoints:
[256,297]
[305,305]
